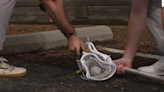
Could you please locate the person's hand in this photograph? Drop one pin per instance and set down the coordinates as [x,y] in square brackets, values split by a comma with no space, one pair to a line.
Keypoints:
[121,63]
[74,44]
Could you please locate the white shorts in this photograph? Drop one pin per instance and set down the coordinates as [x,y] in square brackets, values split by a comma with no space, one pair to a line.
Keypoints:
[154,24]
[6,8]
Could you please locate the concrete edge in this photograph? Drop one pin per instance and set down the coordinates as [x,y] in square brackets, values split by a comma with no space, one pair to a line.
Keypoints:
[137,54]
[23,43]
[137,72]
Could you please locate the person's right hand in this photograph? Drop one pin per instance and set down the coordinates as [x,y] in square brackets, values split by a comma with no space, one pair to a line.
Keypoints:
[75,44]
[121,63]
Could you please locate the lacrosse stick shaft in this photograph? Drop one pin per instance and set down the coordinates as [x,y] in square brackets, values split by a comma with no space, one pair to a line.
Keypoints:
[145,75]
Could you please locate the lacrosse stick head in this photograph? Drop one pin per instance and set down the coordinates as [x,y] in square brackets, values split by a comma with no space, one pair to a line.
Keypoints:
[92,49]
[95,68]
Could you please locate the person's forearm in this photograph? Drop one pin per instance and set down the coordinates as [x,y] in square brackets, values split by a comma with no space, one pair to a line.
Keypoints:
[135,32]
[56,11]
[136,27]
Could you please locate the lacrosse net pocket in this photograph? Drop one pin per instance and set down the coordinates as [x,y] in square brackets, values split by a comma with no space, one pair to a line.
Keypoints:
[95,68]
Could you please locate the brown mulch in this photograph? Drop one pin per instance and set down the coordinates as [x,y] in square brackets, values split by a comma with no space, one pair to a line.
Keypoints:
[31,28]
[119,35]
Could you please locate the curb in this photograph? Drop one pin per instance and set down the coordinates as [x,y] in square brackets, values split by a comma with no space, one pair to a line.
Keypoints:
[137,72]
[137,54]
[49,40]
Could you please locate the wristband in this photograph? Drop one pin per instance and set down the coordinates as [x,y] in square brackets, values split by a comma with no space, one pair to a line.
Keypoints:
[70,34]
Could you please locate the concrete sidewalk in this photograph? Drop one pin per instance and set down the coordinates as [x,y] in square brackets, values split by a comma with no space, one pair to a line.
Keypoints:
[51,39]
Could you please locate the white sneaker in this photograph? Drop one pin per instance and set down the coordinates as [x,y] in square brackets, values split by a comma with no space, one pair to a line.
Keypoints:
[156,68]
[8,71]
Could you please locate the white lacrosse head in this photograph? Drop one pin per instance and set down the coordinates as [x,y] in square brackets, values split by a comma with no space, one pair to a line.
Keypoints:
[97,66]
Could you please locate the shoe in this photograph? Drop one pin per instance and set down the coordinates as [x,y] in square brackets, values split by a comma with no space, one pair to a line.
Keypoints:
[156,68]
[8,71]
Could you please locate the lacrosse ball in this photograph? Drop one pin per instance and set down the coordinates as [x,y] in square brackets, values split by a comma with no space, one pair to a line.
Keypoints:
[95,70]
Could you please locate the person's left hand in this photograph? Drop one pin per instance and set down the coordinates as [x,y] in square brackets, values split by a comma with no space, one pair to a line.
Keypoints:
[121,63]
[74,44]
